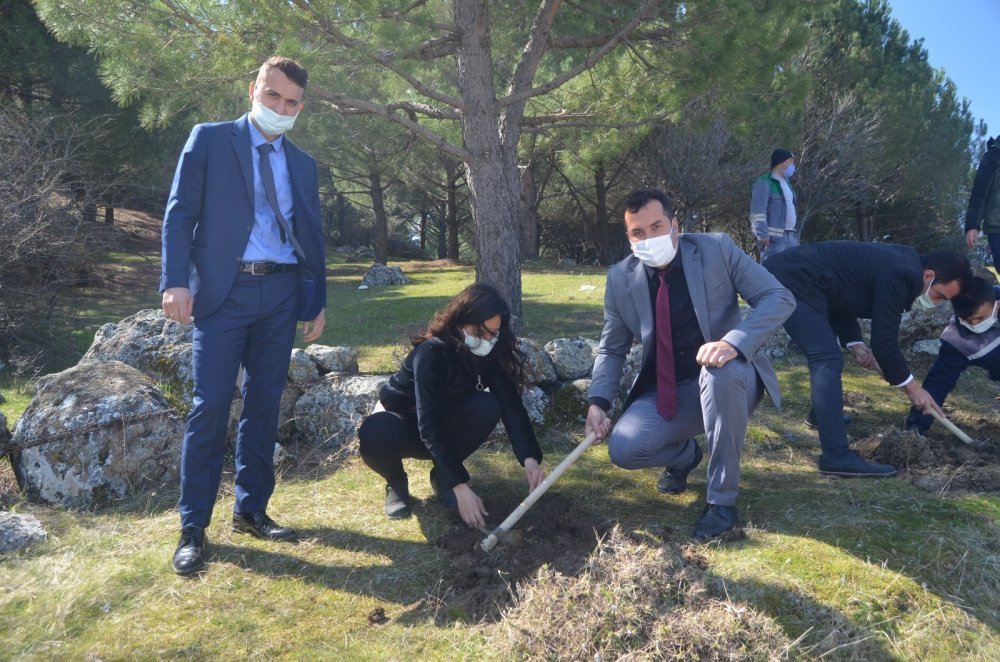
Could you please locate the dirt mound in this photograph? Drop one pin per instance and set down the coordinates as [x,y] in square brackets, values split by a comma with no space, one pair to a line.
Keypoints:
[481,584]
[634,600]
[940,463]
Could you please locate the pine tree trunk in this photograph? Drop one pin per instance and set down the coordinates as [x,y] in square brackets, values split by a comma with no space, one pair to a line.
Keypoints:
[491,170]
[381,224]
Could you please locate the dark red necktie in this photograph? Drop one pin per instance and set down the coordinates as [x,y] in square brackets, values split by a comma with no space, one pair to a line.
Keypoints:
[666,380]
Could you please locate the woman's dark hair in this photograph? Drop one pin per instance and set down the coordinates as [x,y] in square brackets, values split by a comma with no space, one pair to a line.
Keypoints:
[475,305]
[978,292]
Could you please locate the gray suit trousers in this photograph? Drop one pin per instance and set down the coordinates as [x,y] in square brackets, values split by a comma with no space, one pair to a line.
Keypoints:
[718,403]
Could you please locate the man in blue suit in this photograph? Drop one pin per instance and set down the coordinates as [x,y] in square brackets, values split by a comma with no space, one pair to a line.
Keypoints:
[243,259]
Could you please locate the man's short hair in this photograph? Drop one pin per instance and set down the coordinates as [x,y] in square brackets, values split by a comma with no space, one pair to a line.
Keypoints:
[639,199]
[286,65]
[977,292]
[948,266]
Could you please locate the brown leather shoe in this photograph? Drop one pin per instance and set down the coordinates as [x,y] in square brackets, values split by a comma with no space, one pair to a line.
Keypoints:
[260,525]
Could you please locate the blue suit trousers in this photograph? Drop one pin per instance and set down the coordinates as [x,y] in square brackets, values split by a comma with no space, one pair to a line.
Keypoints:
[255,327]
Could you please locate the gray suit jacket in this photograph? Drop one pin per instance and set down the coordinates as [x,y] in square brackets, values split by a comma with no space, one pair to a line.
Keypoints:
[716,271]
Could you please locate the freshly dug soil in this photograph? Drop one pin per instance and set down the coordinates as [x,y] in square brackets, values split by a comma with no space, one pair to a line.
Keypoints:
[553,533]
[940,462]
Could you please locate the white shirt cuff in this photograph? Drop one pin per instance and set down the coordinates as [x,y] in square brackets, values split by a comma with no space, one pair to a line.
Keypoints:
[855,342]
[905,382]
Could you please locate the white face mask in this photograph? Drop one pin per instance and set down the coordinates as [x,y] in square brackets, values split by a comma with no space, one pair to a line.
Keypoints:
[924,301]
[657,252]
[270,122]
[983,326]
[480,346]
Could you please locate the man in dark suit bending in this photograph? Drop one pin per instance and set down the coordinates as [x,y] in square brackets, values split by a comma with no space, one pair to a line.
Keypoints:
[242,260]
[837,282]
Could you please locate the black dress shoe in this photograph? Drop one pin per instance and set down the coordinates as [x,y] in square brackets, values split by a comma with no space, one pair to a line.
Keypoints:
[812,424]
[260,525]
[848,464]
[446,497]
[675,481]
[398,499]
[715,520]
[189,557]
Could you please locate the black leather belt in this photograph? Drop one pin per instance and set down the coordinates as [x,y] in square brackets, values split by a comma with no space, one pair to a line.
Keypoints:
[265,268]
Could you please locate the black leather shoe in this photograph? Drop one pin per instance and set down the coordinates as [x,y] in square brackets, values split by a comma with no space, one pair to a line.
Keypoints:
[189,557]
[813,425]
[447,498]
[852,465]
[675,481]
[714,521]
[398,499]
[260,525]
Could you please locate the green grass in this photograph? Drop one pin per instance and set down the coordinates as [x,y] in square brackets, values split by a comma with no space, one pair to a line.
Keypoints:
[851,569]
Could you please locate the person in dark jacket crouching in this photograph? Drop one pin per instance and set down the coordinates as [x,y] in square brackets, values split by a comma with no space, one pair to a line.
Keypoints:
[463,375]
[971,339]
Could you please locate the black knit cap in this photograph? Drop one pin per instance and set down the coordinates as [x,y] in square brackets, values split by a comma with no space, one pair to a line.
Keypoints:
[780,156]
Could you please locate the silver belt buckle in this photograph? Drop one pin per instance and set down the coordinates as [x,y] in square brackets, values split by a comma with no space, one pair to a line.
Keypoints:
[253,269]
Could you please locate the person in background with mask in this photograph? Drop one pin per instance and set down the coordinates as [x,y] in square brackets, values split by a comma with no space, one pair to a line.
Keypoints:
[702,371]
[463,375]
[837,282]
[971,339]
[241,233]
[772,207]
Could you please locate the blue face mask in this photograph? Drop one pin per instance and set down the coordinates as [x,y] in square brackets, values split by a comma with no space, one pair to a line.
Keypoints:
[790,170]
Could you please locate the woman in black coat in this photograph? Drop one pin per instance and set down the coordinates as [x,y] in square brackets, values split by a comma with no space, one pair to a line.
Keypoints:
[462,376]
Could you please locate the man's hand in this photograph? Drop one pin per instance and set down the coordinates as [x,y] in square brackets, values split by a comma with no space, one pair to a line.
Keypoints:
[971,236]
[716,354]
[597,422]
[311,330]
[534,473]
[864,356]
[470,506]
[921,399]
[177,304]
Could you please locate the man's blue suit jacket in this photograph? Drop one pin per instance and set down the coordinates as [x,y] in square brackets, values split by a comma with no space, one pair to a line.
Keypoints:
[210,213]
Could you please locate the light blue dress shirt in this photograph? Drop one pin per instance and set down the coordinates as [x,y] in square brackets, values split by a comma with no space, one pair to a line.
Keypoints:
[265,243]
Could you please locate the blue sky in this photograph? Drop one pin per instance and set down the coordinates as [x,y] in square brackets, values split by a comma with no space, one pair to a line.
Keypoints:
[962,37]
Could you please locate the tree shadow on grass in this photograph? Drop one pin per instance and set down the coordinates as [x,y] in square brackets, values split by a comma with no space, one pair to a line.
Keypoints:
[946,549]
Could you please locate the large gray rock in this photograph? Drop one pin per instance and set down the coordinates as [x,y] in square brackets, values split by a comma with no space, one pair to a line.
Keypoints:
[18,531]
[4,432]
[540,368]
[302,368]
[536,403]
[917,325]
[91,459]
[633,363]
[147,341]
[931,346]
[329,412]
[570,401]
[333,359]
[572,358]
[380,274]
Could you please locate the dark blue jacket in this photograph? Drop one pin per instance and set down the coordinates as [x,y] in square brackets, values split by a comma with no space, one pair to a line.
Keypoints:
[960,348]
[210,214]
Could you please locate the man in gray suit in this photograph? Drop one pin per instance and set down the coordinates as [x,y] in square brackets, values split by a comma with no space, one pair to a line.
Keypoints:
[701,370]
